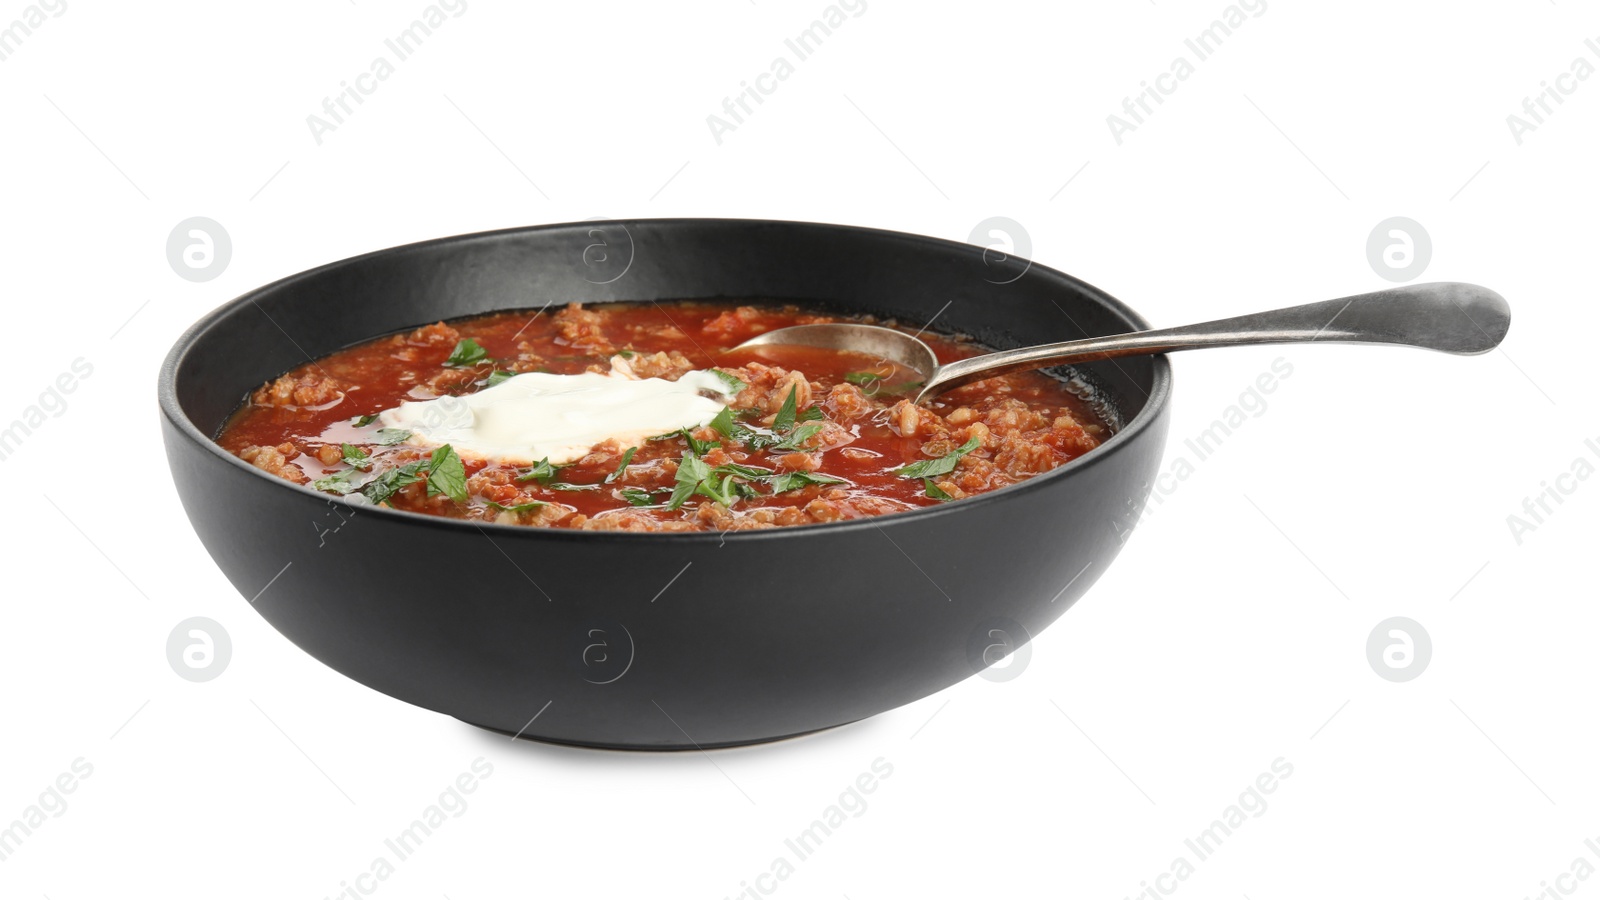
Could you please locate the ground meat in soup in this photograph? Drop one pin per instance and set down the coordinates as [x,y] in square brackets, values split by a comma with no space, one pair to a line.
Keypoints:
[812,436]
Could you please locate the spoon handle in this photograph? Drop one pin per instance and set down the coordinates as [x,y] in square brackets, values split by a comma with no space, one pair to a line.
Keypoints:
[1446,316]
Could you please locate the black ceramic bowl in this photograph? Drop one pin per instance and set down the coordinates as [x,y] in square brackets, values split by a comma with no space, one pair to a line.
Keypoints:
[658,641]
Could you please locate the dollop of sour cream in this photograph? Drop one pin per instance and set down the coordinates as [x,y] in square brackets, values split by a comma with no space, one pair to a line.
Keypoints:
[536,415]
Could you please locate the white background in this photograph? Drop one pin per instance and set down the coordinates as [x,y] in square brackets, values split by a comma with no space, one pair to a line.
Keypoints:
[1232,632]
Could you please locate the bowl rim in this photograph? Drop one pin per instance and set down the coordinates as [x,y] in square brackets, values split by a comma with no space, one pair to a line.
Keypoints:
[1155,404]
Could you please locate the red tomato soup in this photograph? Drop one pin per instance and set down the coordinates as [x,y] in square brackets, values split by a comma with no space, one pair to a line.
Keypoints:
[812,436]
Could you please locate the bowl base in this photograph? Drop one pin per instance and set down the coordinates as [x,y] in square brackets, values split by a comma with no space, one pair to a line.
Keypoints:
[655,748]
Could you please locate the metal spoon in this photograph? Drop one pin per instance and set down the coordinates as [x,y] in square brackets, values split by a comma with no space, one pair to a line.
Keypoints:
[1447,316]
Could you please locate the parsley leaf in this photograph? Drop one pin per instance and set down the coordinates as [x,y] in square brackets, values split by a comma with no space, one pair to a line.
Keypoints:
[390,436]
[929,489]
[741,471]
[869,382]
[797,438]
[637,496]
[364,421]
[355,456]
[380,489]
[691,471]
[756,439]
[625,354]
[627,457]
[721,490]
[784,420]
[728,483]
[338,483]
[498,376]
[794,481]
[700,448]
[446,474]
[466,353]
[734,383]
[541,472]
[944,465]
[724,425]
[569,486]
[873,384]
[788,415]
[753,438]
[519,508]
[696,446]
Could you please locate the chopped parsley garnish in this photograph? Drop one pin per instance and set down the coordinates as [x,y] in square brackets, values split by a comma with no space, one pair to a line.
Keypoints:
[627,457]
[782,436]
[340,483]
[722,490]
[498,376]
[355,456]
[742,471]
[794,481]
[755,439]
[691,472]
[784,420]
[797,438]
[724,424]
[944,465]
[380,489]
[728,483]
[390,436]
[466,353]
[518,508]
[873,384]
[699,447]
[929,489]
[787,415]
[446,474]
[364,421]
[625,354]
[734,383]
[541,472]
[638,496]
[752,438]
[545,473]
[696,446]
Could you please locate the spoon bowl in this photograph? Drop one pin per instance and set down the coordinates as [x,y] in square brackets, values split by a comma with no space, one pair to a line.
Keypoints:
[885,344]
[1450,317]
